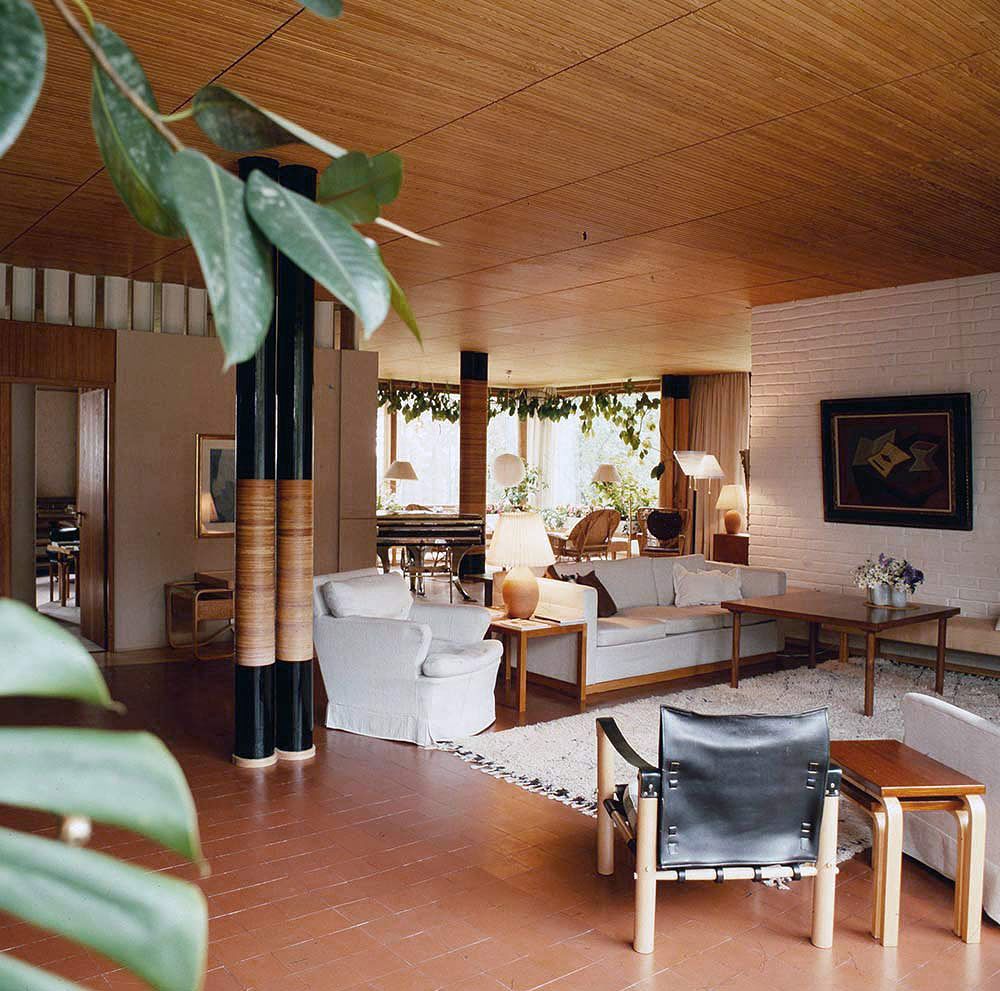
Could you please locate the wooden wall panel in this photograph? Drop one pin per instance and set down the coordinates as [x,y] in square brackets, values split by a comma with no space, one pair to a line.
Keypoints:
[47,354]
[473,422]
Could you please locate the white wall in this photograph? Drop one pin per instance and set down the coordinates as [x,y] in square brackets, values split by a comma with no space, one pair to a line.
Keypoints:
[55,442]
[932,337]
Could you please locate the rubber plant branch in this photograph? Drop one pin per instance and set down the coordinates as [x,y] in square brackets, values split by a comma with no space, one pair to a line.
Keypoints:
[109,70]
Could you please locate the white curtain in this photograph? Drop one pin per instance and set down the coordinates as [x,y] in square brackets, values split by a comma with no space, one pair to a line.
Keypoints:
[720,425]
[541,453]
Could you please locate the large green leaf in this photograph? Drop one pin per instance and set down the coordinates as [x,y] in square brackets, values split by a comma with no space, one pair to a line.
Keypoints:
[402,305]
[22,67]
[137,156]
[237,124]
[325,8]
[18,976]
[357,186]
[38,657]
[235,259]
[153,924]
[124,779]
[325,245]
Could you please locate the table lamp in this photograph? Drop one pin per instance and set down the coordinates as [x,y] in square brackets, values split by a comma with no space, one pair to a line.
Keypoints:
[520,543]
[508,471]
[400,471]
[732,502]
[697,465]
[608,474]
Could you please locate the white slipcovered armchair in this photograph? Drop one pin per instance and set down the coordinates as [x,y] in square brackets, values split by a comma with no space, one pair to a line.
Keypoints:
[424,678]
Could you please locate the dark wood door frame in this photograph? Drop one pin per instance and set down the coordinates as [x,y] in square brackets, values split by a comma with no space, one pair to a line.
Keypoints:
[62,356]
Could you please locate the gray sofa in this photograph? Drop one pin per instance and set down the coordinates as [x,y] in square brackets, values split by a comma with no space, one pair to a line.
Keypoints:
[649,639]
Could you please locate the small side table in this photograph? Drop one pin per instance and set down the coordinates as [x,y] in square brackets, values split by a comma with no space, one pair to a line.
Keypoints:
[731,548]
[207,597]
[523,630]
[887,779]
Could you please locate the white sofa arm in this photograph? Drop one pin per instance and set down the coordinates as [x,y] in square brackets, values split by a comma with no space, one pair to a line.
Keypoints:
[569,596]
[459,624]
[385,647]
[755,582]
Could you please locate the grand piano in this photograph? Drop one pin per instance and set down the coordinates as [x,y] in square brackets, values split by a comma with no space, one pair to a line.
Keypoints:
[432,543]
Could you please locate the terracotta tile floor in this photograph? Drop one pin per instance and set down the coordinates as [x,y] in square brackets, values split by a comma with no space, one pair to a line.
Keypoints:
[382,867]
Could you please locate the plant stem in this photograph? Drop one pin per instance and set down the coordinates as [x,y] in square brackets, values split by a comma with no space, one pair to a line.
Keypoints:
[109,70]
[180,115]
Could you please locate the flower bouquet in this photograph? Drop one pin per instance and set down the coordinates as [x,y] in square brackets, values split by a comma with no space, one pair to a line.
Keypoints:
[888,580]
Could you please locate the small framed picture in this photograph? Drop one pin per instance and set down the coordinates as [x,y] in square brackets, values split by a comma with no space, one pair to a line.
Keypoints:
[215,508]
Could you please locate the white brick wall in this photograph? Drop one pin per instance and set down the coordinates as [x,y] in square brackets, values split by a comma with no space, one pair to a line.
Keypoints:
[932,337]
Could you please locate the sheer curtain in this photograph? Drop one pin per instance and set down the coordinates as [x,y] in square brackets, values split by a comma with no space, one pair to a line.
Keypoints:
[720,425]
[542,454]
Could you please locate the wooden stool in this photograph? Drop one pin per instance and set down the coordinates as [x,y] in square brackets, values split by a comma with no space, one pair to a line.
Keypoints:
[887,779]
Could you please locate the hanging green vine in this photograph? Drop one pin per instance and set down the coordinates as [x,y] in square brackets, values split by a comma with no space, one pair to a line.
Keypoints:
[413,403]
[626,409]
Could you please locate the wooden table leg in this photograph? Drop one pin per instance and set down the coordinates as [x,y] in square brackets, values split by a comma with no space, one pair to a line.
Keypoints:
[505,643]
[972,867]
[522,671]
[813,643]
[892,870]
[581,666]
[942,643]
[871,649]
[961,853]
[734,676]
[878,868]
[845,647]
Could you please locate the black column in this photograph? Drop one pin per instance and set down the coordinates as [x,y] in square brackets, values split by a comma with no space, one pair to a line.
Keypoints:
[294,667]
[253,710]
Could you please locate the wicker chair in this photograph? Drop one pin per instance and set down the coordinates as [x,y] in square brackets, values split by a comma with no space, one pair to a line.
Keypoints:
[591,537]
[662,532]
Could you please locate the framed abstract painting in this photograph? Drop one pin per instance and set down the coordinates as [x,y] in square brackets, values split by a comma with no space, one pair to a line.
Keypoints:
[898,461]
[215,509]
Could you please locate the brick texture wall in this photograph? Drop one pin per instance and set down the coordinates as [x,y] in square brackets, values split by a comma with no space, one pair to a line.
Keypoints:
[932,337]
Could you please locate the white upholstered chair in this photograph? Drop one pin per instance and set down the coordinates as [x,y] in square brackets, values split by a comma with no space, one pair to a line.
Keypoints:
[424,678]
[969,744]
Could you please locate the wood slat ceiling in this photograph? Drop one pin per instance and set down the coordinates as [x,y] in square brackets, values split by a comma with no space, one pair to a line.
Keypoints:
[614,184]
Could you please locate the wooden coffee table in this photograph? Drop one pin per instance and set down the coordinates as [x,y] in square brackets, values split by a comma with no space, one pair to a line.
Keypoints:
[523,630]
[843,613]
[887,779]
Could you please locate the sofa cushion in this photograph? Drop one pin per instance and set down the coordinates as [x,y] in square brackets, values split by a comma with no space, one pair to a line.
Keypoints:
[617,630]
[606,605]
[630,582]
[690,619]
[446,659]
[378,596]
[705,588]
[663,575]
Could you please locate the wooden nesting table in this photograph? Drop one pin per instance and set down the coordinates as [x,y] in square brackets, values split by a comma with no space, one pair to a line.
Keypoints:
[523,630]
[887,779]
[843,613]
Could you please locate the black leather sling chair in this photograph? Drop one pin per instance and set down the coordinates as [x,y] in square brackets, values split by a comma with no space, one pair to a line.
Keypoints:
[734,798]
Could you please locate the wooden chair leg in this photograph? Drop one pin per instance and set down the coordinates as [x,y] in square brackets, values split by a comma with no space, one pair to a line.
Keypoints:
[892,870]
[825,883]
[645,876]
[605,789]
[974,863]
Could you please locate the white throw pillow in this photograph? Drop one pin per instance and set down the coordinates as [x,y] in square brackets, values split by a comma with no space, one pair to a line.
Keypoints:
[704,588]
[378,596]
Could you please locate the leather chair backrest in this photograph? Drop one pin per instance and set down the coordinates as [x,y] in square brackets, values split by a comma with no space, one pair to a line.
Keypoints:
[741,790]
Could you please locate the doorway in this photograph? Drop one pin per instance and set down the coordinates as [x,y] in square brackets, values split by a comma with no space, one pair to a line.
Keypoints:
[57,509]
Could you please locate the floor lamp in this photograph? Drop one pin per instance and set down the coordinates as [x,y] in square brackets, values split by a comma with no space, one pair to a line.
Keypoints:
[697,465]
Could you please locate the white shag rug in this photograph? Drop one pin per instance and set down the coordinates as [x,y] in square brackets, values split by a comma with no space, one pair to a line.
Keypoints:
[558,758]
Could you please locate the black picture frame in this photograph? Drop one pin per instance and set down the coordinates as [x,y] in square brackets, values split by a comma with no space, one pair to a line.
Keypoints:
[877,487]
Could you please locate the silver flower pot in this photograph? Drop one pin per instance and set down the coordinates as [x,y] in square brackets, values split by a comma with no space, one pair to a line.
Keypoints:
[898,597]
[880,594]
